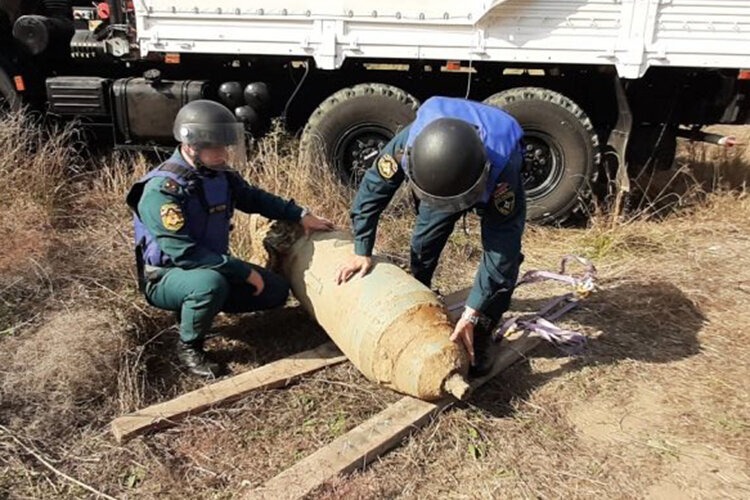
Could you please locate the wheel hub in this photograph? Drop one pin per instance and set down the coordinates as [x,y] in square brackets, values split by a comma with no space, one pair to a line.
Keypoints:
[543,164]
[357,149]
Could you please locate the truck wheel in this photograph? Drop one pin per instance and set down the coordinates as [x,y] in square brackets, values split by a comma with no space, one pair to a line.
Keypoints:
[561,150]
[350,127]
[9,100]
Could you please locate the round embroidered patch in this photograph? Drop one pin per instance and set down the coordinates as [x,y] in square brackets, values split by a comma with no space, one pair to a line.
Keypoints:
[172,217]
[387,166]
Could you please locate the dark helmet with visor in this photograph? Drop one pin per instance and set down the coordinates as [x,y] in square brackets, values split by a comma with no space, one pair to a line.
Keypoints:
[448,165]
[205,123]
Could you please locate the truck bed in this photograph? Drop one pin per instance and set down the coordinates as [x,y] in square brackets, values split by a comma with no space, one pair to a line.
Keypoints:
[629,34]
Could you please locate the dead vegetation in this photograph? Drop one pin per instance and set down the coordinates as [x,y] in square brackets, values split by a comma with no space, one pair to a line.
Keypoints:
[657,406]
[89,340]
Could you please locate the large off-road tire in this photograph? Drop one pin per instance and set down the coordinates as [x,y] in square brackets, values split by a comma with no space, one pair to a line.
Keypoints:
[9,99]
[561,150]
[349,128]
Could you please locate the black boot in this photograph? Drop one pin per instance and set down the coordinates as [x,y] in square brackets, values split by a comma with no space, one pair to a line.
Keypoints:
[485,351]
[195,359]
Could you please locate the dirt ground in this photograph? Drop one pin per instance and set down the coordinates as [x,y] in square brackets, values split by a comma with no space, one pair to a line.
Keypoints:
[656,407]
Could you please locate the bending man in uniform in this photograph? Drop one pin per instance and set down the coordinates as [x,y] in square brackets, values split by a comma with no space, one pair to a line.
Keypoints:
[183,211]
[458,156]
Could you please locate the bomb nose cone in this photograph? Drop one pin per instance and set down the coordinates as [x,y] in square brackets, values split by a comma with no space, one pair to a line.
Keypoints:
[456,386]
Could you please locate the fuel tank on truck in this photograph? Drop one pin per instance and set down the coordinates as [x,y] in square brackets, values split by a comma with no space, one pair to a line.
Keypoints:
[146,107]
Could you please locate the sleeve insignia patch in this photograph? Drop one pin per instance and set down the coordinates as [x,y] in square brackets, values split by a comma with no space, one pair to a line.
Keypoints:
[172,217]
[504,199]
[501,188]
[387,166]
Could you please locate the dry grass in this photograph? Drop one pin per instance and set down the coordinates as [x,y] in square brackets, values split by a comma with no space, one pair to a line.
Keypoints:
[656,407]
[33,168]
[315,186]
[70,364]
[699,170]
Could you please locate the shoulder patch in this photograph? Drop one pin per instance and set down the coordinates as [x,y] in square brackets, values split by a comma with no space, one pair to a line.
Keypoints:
[172,217]
[169,186]
[504,199]
[387,166]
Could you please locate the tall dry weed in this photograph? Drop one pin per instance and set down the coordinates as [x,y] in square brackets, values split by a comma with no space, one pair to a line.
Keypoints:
[36,164]
[278,166]
[66,321]
[701,175]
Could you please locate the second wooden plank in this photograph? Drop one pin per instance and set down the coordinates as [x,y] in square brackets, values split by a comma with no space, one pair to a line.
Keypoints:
[276,374]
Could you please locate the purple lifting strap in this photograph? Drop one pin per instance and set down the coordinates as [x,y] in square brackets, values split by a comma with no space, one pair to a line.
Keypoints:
[568,341]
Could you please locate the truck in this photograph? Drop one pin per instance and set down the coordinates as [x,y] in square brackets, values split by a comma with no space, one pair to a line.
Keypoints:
[602,88]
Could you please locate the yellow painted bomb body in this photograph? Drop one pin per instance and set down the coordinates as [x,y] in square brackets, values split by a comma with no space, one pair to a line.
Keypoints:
[392,328]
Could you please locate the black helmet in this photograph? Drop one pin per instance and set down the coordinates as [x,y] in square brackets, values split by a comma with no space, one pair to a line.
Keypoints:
[447,165]
[230,94]
[204,123]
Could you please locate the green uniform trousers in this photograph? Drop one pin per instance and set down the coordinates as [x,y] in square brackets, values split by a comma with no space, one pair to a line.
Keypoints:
[200,294]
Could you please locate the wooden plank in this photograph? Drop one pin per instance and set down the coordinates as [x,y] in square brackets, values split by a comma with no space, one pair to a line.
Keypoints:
[276,374]
[512,350]
[366,442]
[354,449]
